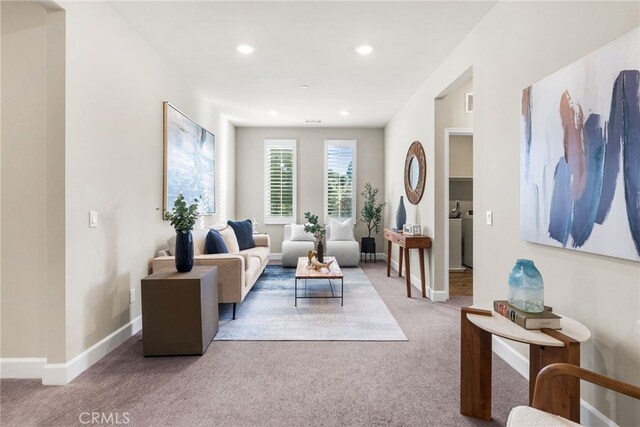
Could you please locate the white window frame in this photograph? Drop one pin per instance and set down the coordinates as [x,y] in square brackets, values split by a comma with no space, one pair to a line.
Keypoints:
[290,143]
[340,143]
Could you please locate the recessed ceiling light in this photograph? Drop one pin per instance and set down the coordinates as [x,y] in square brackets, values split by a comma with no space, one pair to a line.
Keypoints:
[245,48]
[365,49]
[344,112]
[305,86]
[273,112]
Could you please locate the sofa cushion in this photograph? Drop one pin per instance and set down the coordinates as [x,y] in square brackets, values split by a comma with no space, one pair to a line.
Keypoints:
[215,243]
[229,238]
[260,252]
[341,230]
[244,233]
[299,235]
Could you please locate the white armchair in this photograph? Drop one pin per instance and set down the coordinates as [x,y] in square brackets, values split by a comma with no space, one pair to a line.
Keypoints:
[347,252]
[293,249]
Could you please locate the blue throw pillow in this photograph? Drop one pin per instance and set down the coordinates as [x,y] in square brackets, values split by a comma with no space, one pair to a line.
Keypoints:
[214,243]
[244,233]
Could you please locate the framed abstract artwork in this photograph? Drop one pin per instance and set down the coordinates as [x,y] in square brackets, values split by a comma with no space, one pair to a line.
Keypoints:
[580,154]
[189,161]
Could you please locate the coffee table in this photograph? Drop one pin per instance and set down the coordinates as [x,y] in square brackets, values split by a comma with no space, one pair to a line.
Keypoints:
[303,271]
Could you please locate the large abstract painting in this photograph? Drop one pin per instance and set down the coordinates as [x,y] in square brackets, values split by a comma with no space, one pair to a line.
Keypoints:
[189,161]
[580,154]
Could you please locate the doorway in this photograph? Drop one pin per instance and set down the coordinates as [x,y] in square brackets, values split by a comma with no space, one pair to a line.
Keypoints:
[458,150]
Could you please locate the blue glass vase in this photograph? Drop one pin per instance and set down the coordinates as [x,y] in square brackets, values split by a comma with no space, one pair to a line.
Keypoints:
[526,287]
[184,251]
[401,215]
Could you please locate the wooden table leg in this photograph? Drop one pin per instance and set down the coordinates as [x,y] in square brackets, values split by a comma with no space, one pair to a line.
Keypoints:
[400,262]
[407,264]
[475,370]
[424,290]
[389,258]
[566,390]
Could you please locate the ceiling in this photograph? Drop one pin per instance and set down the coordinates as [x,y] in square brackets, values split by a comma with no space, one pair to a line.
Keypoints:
[304,43]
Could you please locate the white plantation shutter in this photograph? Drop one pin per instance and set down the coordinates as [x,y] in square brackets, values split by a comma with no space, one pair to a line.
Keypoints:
[280,181]
[340,179]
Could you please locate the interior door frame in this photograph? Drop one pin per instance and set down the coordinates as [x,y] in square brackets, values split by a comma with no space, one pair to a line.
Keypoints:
[448,132]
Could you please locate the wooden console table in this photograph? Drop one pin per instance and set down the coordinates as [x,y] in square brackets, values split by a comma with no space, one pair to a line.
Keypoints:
[546,346]
[407,242]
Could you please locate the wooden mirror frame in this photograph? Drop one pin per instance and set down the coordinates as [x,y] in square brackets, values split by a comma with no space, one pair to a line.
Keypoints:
[415,194]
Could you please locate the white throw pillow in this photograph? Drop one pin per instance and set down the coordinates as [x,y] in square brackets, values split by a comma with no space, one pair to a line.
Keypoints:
[341,230]
[171,243]
[230,239]
[299,235]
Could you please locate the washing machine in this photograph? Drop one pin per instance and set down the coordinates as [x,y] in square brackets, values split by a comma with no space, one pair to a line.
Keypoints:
[467,238]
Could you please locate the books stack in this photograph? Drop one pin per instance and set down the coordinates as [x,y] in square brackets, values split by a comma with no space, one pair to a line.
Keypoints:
[546,319]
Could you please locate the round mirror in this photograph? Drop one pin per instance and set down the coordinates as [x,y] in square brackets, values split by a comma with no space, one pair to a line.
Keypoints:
[414,172]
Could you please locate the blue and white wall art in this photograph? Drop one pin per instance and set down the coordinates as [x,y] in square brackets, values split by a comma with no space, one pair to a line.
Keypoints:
[189,161]
[580,154]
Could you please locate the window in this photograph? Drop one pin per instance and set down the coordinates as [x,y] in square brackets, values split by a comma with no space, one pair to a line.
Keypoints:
[279,181]
[340,180]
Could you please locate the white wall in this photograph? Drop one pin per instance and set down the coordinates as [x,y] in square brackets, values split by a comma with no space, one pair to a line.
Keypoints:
[116,85]
[24,186]
[310,152]
[515,45]
[82,95]
[461,155]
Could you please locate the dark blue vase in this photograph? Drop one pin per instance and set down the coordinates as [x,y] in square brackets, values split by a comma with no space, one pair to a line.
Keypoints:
[184,251]
[401,215]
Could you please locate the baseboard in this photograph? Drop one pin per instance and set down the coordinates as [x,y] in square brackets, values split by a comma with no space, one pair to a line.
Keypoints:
[22,367]
[589,416]
[435,296]
[457,269]
[510,355]
[63,373]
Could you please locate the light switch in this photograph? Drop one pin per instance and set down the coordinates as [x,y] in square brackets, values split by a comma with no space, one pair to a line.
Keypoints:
[93,219]
[489,217]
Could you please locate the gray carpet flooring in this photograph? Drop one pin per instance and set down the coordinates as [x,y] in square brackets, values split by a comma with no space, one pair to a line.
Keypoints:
[271,383]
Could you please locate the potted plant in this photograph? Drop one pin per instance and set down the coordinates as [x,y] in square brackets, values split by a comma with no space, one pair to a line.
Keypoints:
[312,226]
[371,215]
[183,218]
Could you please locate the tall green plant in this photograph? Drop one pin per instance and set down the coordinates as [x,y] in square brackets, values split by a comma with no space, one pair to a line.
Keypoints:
[183,217]
[312,226]
[371,213]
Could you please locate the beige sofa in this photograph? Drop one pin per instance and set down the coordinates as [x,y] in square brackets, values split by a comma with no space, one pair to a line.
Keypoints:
[237,272]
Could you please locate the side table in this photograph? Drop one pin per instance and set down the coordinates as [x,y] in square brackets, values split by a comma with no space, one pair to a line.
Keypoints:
[179,311]
[479,322]
[407,242]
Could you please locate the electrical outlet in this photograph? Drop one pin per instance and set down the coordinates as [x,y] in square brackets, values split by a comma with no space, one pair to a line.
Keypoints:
[132,295]
[93,219]
[489,217]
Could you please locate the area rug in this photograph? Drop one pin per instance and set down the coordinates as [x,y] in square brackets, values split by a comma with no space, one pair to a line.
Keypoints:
[268,312]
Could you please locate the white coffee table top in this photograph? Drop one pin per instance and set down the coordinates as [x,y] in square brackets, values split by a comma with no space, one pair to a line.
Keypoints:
[501,326]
